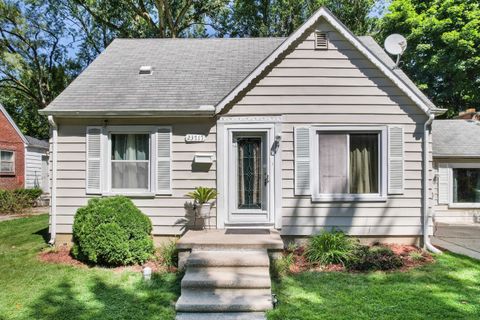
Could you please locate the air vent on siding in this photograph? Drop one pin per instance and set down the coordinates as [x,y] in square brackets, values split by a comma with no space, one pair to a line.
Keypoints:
[145,70]
[321,40]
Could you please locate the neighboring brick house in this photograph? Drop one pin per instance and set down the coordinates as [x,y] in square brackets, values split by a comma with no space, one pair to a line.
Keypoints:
[23,159]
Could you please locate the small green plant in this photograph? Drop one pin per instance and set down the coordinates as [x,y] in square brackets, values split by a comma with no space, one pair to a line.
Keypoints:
[281,267]
[330,248]
[374,258]
[416,256]
[203,195]
[168,253]
[112,231]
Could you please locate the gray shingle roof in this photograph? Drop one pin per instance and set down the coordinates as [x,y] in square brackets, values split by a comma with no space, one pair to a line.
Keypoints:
[187,74]
[34,142]
[456,138]
[377,50]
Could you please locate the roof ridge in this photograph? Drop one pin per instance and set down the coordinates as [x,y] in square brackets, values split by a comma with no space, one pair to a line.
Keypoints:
[200,39]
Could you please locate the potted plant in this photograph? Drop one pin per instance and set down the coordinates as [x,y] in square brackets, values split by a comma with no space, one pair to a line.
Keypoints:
[202,197]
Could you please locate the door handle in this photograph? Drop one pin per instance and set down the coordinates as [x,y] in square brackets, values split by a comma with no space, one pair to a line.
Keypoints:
[267,179]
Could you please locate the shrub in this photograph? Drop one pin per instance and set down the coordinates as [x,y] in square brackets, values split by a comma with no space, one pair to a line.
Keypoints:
[14,201]
[168,253]
[374,258]
[281,266]
[112,231]
[330,248]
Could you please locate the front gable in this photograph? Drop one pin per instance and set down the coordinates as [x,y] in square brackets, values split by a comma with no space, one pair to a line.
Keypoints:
[348,65]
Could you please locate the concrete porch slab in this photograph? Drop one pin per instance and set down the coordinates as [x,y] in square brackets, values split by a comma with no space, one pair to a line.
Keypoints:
[268,239]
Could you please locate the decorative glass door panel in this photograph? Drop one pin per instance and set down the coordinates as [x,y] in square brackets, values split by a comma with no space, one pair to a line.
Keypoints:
[249,173]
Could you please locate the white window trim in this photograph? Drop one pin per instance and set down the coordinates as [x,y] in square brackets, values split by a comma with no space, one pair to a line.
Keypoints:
[383,161]
[10,173]
[459,205]
[109,191]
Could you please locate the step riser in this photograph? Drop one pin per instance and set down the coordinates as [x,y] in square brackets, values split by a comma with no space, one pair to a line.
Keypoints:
[221,316]
[227,277]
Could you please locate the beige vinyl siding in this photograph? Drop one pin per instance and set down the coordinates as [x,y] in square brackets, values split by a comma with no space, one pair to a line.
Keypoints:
[165,211]
[443,212]
[339,87]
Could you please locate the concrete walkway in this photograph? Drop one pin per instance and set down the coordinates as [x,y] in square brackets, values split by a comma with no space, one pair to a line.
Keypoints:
[33,212]
[458,238]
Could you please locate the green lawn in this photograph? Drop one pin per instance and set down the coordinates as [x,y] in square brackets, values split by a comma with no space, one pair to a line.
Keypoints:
[29,289]
[448,289]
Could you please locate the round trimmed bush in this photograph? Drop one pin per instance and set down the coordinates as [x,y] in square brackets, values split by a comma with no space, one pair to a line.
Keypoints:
[112,231]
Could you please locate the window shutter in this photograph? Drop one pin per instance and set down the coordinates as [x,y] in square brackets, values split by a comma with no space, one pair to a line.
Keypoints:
[94,160]
[443,184]
[395,160]
[164,151]
[302,161]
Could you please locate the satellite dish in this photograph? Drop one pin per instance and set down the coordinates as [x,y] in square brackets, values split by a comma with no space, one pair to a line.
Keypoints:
[396,44]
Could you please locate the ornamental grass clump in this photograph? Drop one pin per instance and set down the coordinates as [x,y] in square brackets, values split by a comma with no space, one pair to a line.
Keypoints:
[112,232]
[331,247]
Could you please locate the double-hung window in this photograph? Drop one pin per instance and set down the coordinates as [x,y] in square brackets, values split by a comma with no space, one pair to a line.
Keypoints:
[7,162]
[349,164]
[130,161]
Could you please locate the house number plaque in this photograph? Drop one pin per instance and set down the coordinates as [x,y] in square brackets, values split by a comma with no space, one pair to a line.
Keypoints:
[195,138]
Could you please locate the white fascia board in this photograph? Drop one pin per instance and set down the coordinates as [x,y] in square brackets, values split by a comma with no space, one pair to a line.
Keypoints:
[343,30]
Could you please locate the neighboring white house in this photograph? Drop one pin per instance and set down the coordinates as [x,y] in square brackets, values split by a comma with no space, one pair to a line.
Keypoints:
[36,164]
[316,131]
[23,159]
[456,154]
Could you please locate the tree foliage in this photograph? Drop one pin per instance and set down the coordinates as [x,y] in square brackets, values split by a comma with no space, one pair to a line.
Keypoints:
[267,18]
[443,54]
[34,67]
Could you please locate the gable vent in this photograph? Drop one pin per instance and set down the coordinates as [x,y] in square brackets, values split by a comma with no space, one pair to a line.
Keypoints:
[145,70]
[321,41]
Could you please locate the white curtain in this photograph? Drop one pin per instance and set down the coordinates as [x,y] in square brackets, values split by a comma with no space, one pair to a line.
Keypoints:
[130,161]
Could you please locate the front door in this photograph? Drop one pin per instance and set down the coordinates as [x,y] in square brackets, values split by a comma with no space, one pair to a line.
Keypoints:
[249,178]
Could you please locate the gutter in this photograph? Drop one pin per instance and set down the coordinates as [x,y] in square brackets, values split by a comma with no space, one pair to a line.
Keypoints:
[426,151]
[53,187]
[201,111]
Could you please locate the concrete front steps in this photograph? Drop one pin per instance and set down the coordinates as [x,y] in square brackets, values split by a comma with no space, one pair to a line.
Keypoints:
[230,284]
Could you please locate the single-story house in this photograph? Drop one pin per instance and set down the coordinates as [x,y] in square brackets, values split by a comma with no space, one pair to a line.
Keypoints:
[23,159]
[316,131]
[456,154]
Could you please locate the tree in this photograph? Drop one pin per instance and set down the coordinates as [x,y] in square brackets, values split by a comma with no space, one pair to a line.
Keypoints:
[33,64]
[264,18]
[443,54]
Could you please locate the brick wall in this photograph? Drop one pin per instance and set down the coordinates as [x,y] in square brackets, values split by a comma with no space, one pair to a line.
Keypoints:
[10,140]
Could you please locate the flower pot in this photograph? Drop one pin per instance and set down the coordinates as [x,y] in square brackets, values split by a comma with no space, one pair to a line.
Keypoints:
[203,210]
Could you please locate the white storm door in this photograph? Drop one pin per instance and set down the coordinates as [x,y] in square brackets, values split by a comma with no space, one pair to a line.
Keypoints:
[249,177]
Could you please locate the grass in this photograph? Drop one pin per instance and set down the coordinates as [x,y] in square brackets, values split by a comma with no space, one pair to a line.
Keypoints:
[30,289]
[448,289]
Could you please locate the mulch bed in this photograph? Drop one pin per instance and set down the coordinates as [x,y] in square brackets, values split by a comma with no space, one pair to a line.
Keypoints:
[61,255]
[301,264]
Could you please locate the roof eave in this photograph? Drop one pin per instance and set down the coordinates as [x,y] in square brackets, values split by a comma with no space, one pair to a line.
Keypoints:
[202,111]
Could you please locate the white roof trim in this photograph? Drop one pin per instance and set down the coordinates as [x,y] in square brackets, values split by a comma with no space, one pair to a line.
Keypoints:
[343,30]
[13,124]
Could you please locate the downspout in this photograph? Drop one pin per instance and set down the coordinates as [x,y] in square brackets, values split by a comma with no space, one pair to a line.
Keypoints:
[426,151]
[53,187]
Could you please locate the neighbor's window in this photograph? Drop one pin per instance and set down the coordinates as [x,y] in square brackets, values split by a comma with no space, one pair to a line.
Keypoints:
[348,163]
[130,161]
[7,162]
[466,185]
